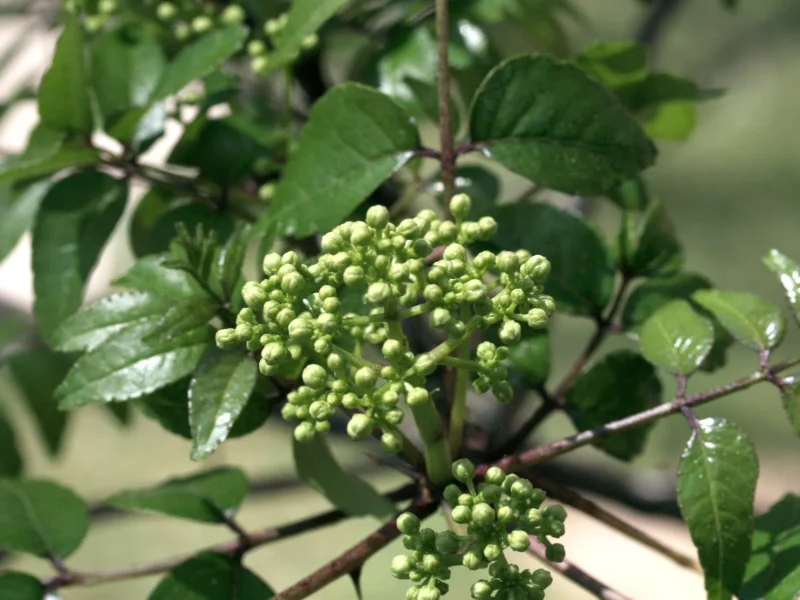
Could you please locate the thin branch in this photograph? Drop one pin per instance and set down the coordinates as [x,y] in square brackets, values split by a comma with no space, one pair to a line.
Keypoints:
[573,572]
[591,508]
[655,20]
[584,438]
[236,547]
[355,556]
[447,150]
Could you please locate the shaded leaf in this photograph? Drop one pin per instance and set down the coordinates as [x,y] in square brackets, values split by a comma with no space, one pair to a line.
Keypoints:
[40,166]
[481,185]
[659,89]
[773,572]
[41,518]
[676,338]
[37,373]
[11,464]
[355,138]
[127,64]
[581,278]
[219,391]
[651,295]
[64,92]
[230,260]
[199,59]
[551,123]
[319,469]
[622,384]
[631,195]
[788,272]
[20,586]
[615,64]
[140,359]
[791,401]
[150,275]
[211,576]
[206,497]
[651,249]
[532,356]
[191,215]
[18,209]
[76,218]
[716,488]
[754,322]
[148,211]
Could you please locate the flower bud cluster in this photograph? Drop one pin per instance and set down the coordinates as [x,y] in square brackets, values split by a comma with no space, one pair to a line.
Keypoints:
[503,512]
[103,11]
[187,19]
[295,319]
[258,47]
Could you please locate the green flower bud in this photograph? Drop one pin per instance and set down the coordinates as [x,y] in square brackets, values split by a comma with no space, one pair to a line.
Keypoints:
[555,529]
[440,318]
[430,564]
[412,593]
[201,24]
[350,401]
[460,206]
[327,323]
[503,391]
[107,7]
[293,283]
[507,262]
[288,412]
[491,493]
[408,229]
[486,351]
[275,353]
[360,234]
[474,290]
[483,515]
[227,339]
[537,318]
[166,11]
[378,293]
[353,275]
[258,48]
[447,542]
[365,378]
[417,396]
[484,261]
[481,590]
[408,523]
[472,560]
[424,364]
[510,332]
[433,293]
[447,232]
[463,470]
[323,346]
[271,263]
[265,368]
[506,514]
[522,488]
[495,475]
[401,566]
[182,31]
[555,511]
[470,232]
[310,41]
[320,410]
[301,330]
[462,514]
[392,442]
[492,552]
[304,432]
[422,247]
[315,377]
[377,217]
[518,540]
[487,227]
[335,363]
[451,494]
[233,15]
[254,295]
[360,426]
[541,578]
[416,576]
[481,385]
[428,593]
[393,350]
[556,553]
[532,517]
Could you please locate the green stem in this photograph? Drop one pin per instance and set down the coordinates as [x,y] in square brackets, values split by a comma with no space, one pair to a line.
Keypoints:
[460,363]
[447,151]
[357,361]
[458,416]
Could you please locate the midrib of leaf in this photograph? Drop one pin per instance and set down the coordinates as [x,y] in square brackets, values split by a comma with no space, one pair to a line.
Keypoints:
[715,508]
[28,508]
[673,351]
[747,321]
[580,144]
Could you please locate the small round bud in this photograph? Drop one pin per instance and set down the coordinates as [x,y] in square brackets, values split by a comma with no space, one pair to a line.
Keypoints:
[315,377]
[507,262]
[491,493]
[440,318]
[201,24]
[492,552]
[360,234]
[463,470]
[166,11]
[353,275]
[424,364]
[483,515]
[309,41]
[304,432]
[258,48]
[555,529]
[392,442]
[555,511]
[350,401]
[393,350]
[460,205]
[503,391]
[495,475]
[274,353]
[254,295]
[433,293]
[401,566]
[271,263]
[360,426]
[408,523]
[455,252]
[417,396]
[107,7]
[377,217]
[518,540]
[226,339]
[486,351]
[510,332]
[462,514]
[487,227]
[430,564]
[556,553]
[365,378]
[465,500]
[484,261]
[447,232]
[412,593]
[429,593]
[451,494]
[301,330]
[293,283]
[233,15]
[532,517]
[447,542]
[481,590]
[320,410]
[472,560]
[506,514]
[541,578]
[182,31]
[378,293]
[537,318]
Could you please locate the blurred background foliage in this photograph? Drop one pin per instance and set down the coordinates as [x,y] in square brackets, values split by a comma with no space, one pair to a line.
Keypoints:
[732,190]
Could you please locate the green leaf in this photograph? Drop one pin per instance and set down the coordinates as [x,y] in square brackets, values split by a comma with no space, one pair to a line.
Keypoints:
[37,373]
[652,249]
[481,185]
[581,278]
[127,64]
[230,260]
[673,121]
[622,384]
[773,572]
[199,59]
[11,464]
[716,487]
[355,138]
[160,237]
[754,322]
[40,166]
[20,586]
[532,356]
[631,195]
[206,497]
[12,329]
[615,64]
[64,101]
[41,518]
[17,212]
[551,123]
[305,17]
[651,295]
[676,338]
[211,576]
[319,469]
[95,323]
[150,275]
[791,401]
[140,359]
[788,272]
[659,89]
[74,222]
[217,395]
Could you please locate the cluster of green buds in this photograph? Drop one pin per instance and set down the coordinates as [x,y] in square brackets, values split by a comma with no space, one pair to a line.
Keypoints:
[503,512]
[258,47]
[96,14]
[294,316]
[188,18]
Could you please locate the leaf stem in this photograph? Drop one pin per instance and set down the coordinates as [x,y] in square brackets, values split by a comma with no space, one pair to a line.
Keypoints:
[447,150]
[458,416]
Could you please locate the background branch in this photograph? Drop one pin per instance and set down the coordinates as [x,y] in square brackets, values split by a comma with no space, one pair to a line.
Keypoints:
[655,21]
